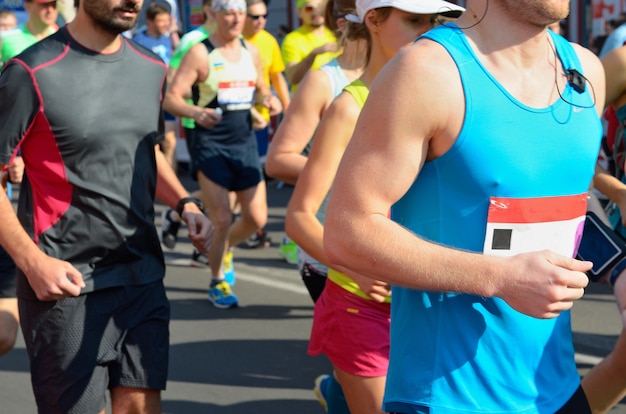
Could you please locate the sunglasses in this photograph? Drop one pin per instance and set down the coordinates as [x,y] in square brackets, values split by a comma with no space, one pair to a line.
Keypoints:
[258,16]
[310,9]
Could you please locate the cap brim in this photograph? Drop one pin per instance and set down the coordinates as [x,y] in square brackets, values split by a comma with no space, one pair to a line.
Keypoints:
[440,7]
[453,14]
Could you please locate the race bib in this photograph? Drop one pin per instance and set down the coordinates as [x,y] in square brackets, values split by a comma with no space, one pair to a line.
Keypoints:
[236,95]
[520,225]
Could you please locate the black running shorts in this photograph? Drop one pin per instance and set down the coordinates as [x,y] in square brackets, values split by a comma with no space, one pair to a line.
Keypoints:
[8,276]
[81,346]
[235,168]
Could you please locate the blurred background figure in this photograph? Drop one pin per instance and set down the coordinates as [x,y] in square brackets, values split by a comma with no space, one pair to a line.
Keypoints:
[616,38]
[175,21]
[156,37]
[8,20]
[311,45]
[273,67]
[42,17]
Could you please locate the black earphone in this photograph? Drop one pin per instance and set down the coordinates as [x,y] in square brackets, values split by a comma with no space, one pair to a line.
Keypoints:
[576,80]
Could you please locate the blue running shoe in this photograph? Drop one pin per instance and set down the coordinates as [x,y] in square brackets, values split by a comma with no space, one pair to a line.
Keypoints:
[221,296]
[320,388]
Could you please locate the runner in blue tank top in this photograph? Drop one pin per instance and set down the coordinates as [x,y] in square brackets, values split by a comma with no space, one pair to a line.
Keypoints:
[481,138]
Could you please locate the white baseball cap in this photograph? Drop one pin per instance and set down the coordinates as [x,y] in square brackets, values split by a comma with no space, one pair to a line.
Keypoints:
[442,7]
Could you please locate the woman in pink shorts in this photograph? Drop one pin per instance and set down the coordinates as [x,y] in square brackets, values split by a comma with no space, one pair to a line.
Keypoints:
[352,316]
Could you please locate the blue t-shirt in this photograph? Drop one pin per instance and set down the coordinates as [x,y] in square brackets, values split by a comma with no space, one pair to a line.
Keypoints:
[162,45]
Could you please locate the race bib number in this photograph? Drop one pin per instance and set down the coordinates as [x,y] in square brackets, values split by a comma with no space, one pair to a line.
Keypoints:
[520,225]
[236,95]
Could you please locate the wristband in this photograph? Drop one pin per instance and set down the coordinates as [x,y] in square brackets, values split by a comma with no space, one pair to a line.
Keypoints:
[617,271]
[181,204]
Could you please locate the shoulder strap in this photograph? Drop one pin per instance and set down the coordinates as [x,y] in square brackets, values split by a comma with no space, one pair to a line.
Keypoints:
[209,46]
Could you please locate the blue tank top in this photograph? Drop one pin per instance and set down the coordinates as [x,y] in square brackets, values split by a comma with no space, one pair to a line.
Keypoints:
[458,353]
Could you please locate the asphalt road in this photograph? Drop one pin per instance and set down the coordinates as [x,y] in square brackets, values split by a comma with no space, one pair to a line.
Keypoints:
[253,359]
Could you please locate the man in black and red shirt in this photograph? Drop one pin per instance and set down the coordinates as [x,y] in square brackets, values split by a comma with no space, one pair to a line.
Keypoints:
[84,107]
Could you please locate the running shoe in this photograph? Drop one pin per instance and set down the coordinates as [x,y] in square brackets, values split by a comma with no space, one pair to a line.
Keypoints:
[288,251]
[199,259]
[228,269]
[259,239]
[169,229]
[221,295]
[321,382]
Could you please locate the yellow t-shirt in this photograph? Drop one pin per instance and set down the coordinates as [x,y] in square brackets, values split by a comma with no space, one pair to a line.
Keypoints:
[271,60]
[300,43]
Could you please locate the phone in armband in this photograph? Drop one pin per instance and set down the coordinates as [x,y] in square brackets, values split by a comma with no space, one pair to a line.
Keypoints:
[600,245]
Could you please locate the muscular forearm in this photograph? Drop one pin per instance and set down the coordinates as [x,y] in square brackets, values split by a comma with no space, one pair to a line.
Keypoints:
[169,189]
[540,284]
[176,105]
[407,261]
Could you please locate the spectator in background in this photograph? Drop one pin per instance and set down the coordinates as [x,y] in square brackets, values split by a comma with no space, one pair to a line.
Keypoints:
[42,16]
[616,38]
[272,63]
[156,38]
[311,45]
[175,22]
[282,32]
[8,20]
[273,67]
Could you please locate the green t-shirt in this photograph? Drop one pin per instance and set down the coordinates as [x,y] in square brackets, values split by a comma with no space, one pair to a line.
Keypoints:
[189,39]
[16,40]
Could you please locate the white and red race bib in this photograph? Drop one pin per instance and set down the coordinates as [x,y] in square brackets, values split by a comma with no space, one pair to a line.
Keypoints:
[520,225]
[236,95]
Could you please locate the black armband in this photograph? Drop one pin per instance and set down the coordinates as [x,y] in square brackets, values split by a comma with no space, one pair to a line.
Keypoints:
[601,245]
[617,270]
[181,204]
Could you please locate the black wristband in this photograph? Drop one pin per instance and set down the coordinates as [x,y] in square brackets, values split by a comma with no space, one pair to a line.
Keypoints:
[181,204]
